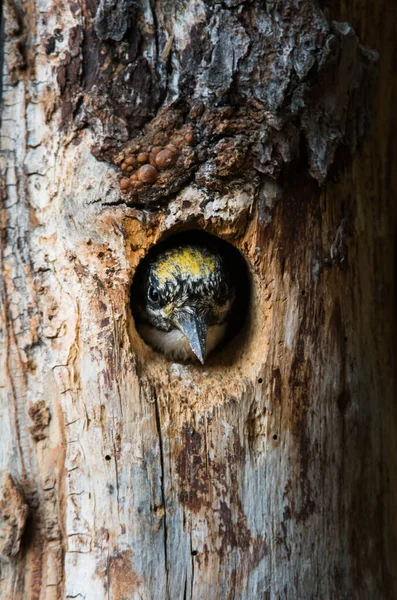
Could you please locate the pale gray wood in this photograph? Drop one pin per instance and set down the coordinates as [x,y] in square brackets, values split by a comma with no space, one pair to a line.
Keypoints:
[150,480]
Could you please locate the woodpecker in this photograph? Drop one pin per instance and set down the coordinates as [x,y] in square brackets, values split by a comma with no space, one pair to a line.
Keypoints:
[185,300]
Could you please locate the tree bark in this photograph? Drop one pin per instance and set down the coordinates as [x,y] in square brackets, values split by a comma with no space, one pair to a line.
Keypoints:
[271,472]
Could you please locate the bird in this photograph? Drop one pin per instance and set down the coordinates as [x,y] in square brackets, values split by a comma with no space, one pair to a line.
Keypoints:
[184,301]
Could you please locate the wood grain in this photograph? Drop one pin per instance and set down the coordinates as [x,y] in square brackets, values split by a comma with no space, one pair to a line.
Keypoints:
[270,473]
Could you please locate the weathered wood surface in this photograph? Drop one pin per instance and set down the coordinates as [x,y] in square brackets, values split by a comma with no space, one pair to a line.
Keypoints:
[270,473]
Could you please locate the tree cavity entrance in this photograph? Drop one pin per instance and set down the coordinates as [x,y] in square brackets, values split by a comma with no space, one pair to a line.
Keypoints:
[190,297]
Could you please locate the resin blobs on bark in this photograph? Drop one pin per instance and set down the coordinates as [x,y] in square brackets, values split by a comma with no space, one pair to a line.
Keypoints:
[241,90]
[142,167]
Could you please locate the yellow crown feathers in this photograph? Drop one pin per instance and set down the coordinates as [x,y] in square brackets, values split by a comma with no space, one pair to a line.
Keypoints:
[188,261]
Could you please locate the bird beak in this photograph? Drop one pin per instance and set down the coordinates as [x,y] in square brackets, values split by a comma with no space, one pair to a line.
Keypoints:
[194,328]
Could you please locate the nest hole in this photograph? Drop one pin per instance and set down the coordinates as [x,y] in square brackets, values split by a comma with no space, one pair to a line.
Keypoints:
[238,271]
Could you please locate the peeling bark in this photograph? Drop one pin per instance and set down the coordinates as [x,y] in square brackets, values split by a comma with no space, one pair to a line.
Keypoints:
[13,514]
[271,472]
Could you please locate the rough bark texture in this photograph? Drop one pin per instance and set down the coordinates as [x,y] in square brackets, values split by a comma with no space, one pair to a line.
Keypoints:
[271,472]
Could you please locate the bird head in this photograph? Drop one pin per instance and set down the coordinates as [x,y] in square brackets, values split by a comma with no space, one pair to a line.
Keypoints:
[186,290]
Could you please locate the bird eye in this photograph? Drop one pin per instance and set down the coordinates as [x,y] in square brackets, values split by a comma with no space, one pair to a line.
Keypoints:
[153,294]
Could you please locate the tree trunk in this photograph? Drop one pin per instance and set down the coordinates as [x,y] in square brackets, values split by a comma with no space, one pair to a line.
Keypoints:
[271,472]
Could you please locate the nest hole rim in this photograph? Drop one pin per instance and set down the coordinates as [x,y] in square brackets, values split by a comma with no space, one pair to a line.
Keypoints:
[235,344]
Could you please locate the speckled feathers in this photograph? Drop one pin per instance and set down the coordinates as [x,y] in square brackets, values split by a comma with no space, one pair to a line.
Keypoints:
[185,289]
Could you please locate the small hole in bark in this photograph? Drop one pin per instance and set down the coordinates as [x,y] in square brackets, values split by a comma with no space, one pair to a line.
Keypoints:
[303,292]
[260,380]
[275,436]
[194,552]
[190,297]
[108,457]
